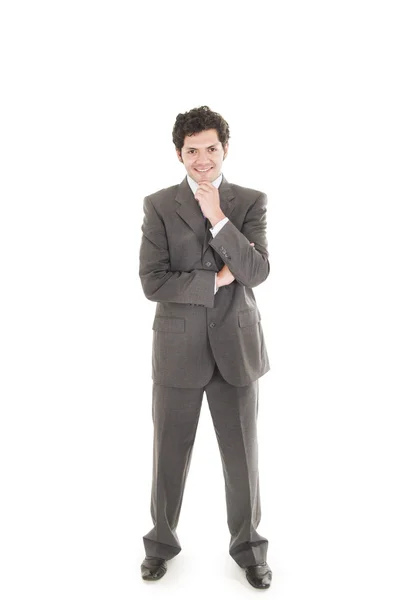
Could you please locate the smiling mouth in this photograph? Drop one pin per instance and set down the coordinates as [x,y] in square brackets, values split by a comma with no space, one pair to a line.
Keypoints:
[203,170]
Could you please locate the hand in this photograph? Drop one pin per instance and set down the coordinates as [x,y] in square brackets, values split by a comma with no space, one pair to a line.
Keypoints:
[207,195]
[224,277]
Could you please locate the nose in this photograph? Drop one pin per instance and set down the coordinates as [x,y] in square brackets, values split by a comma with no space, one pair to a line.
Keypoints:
[202,159]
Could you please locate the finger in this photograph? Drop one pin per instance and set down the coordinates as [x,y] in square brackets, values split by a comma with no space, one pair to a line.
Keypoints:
[252,244]
[205,184]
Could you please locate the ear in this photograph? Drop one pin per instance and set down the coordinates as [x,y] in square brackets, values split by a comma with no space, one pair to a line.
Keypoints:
[226,149]
[178,153]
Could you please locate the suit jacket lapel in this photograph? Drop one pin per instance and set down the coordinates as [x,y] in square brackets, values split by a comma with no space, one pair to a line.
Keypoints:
[189,210]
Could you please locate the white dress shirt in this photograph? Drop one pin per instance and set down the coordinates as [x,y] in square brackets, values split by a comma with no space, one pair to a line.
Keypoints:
[214,230]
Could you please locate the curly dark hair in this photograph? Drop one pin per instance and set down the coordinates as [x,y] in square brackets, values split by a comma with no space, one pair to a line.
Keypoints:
[197,120]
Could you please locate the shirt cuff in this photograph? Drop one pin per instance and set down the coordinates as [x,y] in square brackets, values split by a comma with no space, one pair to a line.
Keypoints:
[215,288]
[216,228]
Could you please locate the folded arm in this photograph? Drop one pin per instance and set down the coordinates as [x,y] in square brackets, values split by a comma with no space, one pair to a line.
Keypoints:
[158,282]
[249,264]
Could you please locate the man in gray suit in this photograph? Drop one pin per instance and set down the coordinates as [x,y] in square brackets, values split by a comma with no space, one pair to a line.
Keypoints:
[203,249]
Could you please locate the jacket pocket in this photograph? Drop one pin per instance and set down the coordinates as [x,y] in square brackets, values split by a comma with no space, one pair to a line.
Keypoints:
[248,317]
[169,324]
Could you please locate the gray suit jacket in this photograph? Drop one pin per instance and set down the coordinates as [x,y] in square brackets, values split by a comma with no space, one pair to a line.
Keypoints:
[193,327]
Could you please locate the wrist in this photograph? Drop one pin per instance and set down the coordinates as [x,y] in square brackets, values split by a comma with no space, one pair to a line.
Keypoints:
[215,219]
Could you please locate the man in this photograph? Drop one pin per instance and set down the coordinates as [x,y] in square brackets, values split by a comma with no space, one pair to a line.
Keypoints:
[203,249]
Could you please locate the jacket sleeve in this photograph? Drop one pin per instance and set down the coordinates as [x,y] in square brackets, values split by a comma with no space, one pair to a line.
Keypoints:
[249,264]
[159,283]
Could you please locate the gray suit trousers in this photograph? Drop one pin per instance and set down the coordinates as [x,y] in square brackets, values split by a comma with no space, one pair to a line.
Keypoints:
[234,412]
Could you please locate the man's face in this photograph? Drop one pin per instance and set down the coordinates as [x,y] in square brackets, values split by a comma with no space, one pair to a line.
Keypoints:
[203,155]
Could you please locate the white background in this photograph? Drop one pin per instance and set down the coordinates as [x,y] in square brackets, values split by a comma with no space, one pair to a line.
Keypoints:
[90,92]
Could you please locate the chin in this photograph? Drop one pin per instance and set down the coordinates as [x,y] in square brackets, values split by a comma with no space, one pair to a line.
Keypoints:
[205,176]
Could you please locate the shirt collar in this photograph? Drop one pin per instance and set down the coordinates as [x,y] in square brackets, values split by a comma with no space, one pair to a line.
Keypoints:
[194,185]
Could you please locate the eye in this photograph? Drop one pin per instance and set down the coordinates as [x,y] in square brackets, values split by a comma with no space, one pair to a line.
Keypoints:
[214,149]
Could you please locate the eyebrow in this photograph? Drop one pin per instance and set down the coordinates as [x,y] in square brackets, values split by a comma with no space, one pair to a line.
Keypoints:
[194,148]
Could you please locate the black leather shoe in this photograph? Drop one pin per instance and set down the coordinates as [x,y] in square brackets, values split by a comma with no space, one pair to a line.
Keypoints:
[260,576]
[153,568]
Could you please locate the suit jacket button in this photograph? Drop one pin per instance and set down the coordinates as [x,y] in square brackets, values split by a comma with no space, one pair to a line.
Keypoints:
[212,324]
[208,263]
